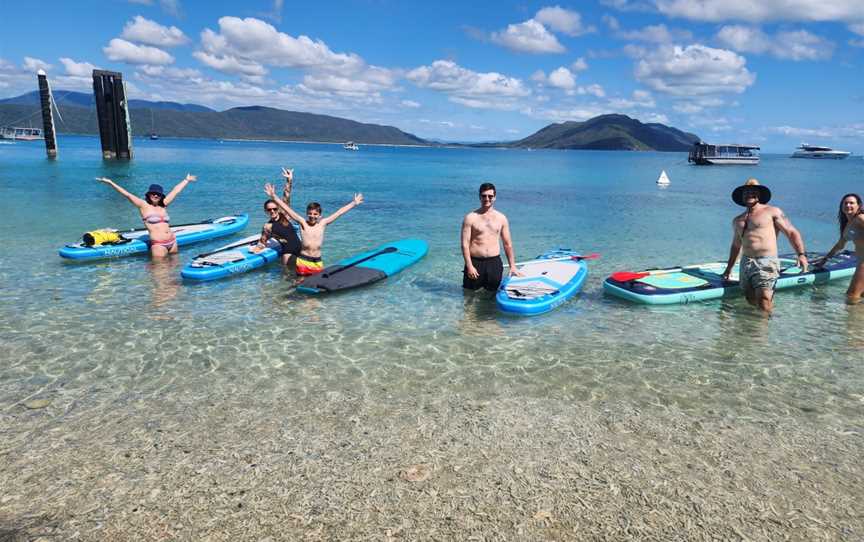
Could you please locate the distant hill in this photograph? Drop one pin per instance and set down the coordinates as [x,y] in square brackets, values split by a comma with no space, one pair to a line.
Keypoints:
[170,119]
[83,99]
[608,132]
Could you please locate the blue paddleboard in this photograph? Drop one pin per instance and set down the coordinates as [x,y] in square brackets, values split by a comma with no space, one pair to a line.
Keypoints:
[367,267]
[230,260]
[137,241]
[704,281]
[548,280]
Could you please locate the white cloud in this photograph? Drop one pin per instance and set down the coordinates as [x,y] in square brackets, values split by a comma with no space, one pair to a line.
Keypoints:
[411,104]
[698,105]
[561,78]
[695,70]
[141,30]
[639,99]
[254,40]
[857,28]
[33,65]
[611,22]
[579,65]
[763,10]
[564,114]
[800,132]
[230,64]
[592,90]
[528,37]
[163,72]
[789,45]
[473,89]
[628,5]
[655,34]
[78,69]
[654,117]
[562,20]
[120,50]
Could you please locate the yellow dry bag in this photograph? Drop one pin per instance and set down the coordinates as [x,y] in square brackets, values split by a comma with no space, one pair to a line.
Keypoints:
[104,236]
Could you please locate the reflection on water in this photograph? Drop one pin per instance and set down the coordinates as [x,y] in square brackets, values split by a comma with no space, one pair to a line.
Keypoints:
[131,327]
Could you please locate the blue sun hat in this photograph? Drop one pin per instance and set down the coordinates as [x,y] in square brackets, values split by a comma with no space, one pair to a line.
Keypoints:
[155,189]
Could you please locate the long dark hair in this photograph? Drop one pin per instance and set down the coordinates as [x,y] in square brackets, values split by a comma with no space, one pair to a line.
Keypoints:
[841,216]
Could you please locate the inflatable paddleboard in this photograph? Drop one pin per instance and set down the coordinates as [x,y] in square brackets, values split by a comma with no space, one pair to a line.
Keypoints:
[549,280]
[230,260]
[366,268]
[704,281]
[138,240]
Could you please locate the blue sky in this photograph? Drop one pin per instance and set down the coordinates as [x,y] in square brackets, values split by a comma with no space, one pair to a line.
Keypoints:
[774,73]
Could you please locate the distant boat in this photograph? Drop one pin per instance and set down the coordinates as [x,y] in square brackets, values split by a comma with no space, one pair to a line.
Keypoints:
[705,154]
[351,146]
[663,179]
[18,133]
[815,151]
[153,135]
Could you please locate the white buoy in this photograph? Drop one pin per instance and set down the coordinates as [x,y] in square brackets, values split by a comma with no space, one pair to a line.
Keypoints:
[663,179]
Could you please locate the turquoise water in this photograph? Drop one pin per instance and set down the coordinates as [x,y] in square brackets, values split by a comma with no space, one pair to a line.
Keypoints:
[131,328]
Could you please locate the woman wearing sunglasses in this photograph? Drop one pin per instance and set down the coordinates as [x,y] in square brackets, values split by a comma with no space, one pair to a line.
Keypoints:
[279,233]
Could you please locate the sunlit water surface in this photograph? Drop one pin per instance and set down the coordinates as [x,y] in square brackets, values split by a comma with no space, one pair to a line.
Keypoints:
[129,327]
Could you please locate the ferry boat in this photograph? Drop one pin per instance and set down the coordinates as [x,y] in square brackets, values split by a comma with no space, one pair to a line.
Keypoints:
[705,154]
[351,146]
[18,133]
[815,151]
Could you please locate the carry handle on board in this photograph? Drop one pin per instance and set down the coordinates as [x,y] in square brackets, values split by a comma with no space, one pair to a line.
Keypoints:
[361,260]
[592,256]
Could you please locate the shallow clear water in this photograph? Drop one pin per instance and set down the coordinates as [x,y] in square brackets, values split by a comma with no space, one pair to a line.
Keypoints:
[129,327]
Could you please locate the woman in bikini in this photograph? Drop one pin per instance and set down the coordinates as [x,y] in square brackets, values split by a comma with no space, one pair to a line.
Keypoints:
[154,213]
[851,218]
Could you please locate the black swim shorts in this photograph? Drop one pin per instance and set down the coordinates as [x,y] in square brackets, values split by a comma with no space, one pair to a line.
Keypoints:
[490,270]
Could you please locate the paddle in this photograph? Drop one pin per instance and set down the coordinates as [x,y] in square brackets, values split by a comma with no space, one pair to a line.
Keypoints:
[592,256]
[627,276]
[387,250]
[240,243]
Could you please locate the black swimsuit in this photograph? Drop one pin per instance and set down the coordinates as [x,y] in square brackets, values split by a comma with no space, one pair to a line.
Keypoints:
[287,237]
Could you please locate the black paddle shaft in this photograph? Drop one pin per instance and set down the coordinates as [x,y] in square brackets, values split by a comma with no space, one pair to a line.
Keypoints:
[387,250]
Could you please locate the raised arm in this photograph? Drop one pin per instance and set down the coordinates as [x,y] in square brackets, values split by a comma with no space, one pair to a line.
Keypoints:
[734,249]
[288,174]
[784,225]
[179,187]
[134,200]
[358,199]
[270,190]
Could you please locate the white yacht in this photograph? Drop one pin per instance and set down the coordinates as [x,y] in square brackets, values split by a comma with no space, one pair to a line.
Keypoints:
[351,146]
[815,151]
[705,154]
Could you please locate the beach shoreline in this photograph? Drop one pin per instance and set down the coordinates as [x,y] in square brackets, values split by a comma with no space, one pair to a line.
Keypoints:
[374,464]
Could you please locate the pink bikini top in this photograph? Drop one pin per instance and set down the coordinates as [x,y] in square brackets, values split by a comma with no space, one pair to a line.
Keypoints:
[156,219]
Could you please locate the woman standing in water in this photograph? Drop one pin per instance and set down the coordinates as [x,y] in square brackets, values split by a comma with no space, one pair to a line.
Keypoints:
[851,218]
[154,213]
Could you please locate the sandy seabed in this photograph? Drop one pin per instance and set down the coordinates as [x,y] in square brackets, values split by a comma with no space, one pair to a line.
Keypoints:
[371,465]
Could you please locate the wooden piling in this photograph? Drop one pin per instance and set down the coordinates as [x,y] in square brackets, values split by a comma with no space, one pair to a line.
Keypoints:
[115,128]
[46,101]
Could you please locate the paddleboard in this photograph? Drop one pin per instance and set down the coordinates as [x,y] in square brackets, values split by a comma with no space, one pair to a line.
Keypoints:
[138,239]
[367,267]
[704,281]
[232,259]
[549,280]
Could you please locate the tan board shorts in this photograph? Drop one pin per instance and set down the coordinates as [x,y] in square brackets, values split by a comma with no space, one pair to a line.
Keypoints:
[759,273]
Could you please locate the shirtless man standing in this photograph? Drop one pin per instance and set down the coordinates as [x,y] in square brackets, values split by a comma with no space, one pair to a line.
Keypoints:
[482,229]
[312,230]
[755,236]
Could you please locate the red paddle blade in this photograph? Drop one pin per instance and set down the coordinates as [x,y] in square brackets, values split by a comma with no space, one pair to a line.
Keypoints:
[592,256]
[626,276]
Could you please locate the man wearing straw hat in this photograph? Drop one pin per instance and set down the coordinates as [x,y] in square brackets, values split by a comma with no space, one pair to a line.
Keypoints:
[754,235]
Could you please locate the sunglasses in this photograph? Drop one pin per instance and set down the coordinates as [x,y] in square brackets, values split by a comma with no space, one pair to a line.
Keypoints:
[487,196]
[271,209]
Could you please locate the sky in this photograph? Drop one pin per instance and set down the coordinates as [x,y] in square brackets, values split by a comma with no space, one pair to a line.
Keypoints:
[774,73]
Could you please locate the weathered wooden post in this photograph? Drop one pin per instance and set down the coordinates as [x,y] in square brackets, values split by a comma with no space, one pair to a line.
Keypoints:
[46,101]
[115,129]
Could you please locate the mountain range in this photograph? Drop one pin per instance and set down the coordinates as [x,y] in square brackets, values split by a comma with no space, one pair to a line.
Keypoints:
[172,119]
